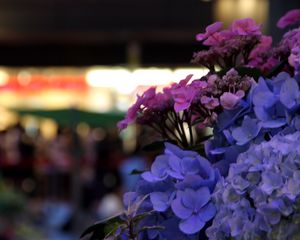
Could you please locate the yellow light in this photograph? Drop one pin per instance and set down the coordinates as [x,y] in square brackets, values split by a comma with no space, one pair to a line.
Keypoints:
[48,128]
[229,10]
[4,77]
[83,129]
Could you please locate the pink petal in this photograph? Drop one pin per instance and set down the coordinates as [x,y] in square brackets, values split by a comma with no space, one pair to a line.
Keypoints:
[290,18]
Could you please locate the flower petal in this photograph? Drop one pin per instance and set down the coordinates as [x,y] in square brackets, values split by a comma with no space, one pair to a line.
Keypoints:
[180,210]
[160,201]
[191,225]
[207,212]
[202,197]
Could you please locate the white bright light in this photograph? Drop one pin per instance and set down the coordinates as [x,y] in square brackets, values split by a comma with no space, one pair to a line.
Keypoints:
[152,76]
[117,78]
[107,77]
[181,73]
[125,82]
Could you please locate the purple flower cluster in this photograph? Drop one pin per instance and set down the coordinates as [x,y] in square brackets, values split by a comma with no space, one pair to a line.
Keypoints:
[195,103]
[228,48]
[179,186]
[260,196]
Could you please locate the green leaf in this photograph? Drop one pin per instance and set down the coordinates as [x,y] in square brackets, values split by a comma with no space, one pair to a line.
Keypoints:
[113,231]
[151,228]
[137,172]
[141,216]
[98,229]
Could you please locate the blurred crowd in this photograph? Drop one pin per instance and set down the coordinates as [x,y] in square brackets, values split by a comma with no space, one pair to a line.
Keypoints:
[43,171]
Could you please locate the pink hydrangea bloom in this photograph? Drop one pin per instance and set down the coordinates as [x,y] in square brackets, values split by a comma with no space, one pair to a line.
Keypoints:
[290,18]
[183,94]
[143,100]
[230,100]
[209,30]
[264,45]
[245,27]
[294,58]
[199,84]
[183,97]
[209,102]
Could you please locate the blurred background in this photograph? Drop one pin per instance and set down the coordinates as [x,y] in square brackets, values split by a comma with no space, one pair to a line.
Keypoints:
[69,70]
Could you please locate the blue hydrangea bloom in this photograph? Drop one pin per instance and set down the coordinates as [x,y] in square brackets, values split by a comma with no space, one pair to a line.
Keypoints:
[271,108]
[179,185]
[194,209]
[261,191]
[175,162]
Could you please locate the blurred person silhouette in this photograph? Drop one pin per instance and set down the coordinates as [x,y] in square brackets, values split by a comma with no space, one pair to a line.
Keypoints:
[59,152]
[18,158]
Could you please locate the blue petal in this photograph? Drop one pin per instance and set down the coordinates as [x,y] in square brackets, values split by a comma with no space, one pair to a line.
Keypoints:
[207,212]
[190,165]
[278,81]
[160,201]
[190,181]
[262,96]
[191,225]
[261,113]
[289,93]
[148,176]
[202,197]
[180,210]
[274,123]
[240,136]
[160,165]
[189,198]
[251,126]
[249,130]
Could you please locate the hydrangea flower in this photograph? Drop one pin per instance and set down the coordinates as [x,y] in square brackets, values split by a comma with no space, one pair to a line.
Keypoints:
[180,182]
[260,191]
